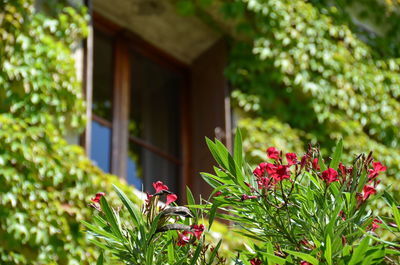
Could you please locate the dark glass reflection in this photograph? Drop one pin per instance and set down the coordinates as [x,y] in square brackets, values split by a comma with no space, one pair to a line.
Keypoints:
[154,118]
[102,75]
[102,99]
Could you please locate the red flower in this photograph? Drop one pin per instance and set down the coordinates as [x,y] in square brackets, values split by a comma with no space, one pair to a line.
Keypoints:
[273,153]
[377,167]
[247,197]
[218,193]
[183,238]
[159,186]
[330,175]
[375,224]
[315,164]
[291,158]
[344,240]
[264,182]
[281,172]
[303,262]
[368,190]
[197,230]
[98,197]
[270,168]
[342,169]
[342,215]
[147,201]
[304,160]
[259,171]
[171,198]
[255,261]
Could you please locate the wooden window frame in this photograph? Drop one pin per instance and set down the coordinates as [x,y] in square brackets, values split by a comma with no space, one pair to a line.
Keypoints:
[125,42]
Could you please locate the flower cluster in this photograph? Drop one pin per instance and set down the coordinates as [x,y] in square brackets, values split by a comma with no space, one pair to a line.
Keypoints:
[160,189]
[184,237]
[269,174]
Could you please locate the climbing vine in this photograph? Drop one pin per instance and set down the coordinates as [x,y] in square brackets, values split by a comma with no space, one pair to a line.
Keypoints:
[45,183]
[314,71]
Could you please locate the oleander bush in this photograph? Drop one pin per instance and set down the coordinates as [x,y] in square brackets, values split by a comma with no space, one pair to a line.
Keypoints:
[294,209]
[304,209]
[155,234]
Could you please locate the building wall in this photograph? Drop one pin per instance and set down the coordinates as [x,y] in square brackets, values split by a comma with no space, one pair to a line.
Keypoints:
[207,110]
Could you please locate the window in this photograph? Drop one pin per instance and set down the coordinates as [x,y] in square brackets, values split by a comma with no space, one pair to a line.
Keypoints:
[153,123]
[102,112]
[137,112]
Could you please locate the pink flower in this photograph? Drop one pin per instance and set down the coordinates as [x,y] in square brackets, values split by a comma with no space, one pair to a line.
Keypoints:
[183,238]
[315,164]
[377,167]
[303,262]
[159,186]
[281,172]
[375,224]
[171,198]
[198,230]
[98,197]
[273,153]
[255,261]
[368,190]
[291,158]
[247,197]
[330,175]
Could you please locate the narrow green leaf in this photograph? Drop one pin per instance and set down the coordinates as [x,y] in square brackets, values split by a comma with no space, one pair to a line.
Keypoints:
[213,150]
[153,229]
[212,214]
[396,215]
[275,259]
[358,253]
[111,218]
[100,260]
[100,231]
[214,253]
[362,181]
[171,252]
[304,256]
[197,253]
[270,250]
[189,196]
[238,149]
[336,155]
[133,211]
[321,163]
[328,250]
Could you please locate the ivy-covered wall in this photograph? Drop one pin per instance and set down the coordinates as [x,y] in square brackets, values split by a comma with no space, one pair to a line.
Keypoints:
[45,184]
[313,71]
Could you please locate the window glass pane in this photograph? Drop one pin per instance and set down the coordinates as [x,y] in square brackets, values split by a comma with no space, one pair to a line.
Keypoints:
[103,65]
[154,118]
[102,99]
[101,146]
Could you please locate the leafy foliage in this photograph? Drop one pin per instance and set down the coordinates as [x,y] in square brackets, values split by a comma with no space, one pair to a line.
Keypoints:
[45,183]
[157,234]
[319,70]
[303,209]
